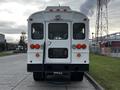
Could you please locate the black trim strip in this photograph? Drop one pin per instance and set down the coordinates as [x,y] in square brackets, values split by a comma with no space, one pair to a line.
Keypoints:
[57,67]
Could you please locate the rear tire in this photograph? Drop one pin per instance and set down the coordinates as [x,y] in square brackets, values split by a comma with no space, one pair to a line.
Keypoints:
[39,76]
[77,76]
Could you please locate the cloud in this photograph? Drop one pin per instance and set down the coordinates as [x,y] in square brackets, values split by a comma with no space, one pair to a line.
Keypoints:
[14,13]
[3,1]
[25,1]
[89,6]
[6,24]
[6,28]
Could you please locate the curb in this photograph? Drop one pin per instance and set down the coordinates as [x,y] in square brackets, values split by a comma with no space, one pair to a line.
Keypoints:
[93,82]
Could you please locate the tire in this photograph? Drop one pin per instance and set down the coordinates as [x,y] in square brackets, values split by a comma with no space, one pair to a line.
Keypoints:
[77,76]
[38,76]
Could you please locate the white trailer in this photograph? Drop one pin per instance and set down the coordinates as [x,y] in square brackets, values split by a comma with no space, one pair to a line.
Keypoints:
[58,41]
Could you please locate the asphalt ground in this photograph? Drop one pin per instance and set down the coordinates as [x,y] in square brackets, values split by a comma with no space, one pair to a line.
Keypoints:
[14,76]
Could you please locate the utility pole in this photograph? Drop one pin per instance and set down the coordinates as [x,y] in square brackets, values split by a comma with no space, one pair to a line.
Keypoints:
[101,20]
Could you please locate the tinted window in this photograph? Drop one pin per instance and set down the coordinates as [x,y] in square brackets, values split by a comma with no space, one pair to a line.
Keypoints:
[58,53]
[58,31]
[37,31]
[78,31]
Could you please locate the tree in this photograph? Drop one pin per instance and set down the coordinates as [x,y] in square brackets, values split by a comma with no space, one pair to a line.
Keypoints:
[22,41]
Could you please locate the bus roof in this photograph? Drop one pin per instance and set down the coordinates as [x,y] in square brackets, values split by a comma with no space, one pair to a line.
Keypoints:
[57,9]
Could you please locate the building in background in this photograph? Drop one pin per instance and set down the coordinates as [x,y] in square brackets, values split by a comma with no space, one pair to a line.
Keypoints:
[2,42]
[110,46]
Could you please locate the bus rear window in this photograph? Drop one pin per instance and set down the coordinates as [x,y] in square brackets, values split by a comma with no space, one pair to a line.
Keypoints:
[58,53]
[78,31]
[37,31]
[58,31]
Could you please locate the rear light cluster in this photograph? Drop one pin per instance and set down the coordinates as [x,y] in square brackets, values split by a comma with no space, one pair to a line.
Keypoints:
[35,46]
[80,46]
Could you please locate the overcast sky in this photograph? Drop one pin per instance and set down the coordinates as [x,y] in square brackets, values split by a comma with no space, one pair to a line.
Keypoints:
[14,13]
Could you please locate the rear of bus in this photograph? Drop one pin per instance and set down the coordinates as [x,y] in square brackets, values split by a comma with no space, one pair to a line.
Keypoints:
[58,43]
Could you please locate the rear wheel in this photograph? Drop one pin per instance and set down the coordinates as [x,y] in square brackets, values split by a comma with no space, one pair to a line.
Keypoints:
[38,76]
[77,76]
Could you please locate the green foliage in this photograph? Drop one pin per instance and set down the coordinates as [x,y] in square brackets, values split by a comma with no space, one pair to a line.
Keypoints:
[106,71]
[6,53]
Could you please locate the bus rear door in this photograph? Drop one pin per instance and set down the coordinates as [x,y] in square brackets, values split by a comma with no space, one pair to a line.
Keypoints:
[58,42]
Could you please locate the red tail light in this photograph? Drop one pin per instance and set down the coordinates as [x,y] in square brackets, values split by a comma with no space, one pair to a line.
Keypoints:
[32,46]
[78,46]
[37,46]
[84,46]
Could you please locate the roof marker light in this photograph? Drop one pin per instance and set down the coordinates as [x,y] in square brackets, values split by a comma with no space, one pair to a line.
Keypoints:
[58,10]
[65,10]
[51,10]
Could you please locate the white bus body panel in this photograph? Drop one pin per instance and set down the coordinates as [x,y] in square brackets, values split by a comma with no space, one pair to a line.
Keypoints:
[69,17]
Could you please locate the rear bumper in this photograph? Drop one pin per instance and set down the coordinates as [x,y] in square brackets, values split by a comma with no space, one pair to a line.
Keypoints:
[57,67]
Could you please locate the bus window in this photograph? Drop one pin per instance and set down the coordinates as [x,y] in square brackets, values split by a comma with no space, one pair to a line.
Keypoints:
[78,31]
[58,53]
[37,31]
[58,31]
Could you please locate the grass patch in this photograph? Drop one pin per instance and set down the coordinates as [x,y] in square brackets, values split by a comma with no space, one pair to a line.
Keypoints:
[6,53]
[106,71]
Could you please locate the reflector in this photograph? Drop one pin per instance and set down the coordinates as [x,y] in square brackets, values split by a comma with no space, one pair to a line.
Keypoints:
[78,54]
[37,55]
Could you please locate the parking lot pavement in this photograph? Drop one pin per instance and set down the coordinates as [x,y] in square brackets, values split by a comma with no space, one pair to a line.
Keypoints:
[13,76]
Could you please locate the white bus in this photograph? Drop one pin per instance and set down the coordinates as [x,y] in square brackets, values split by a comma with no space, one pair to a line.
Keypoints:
[58,43]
